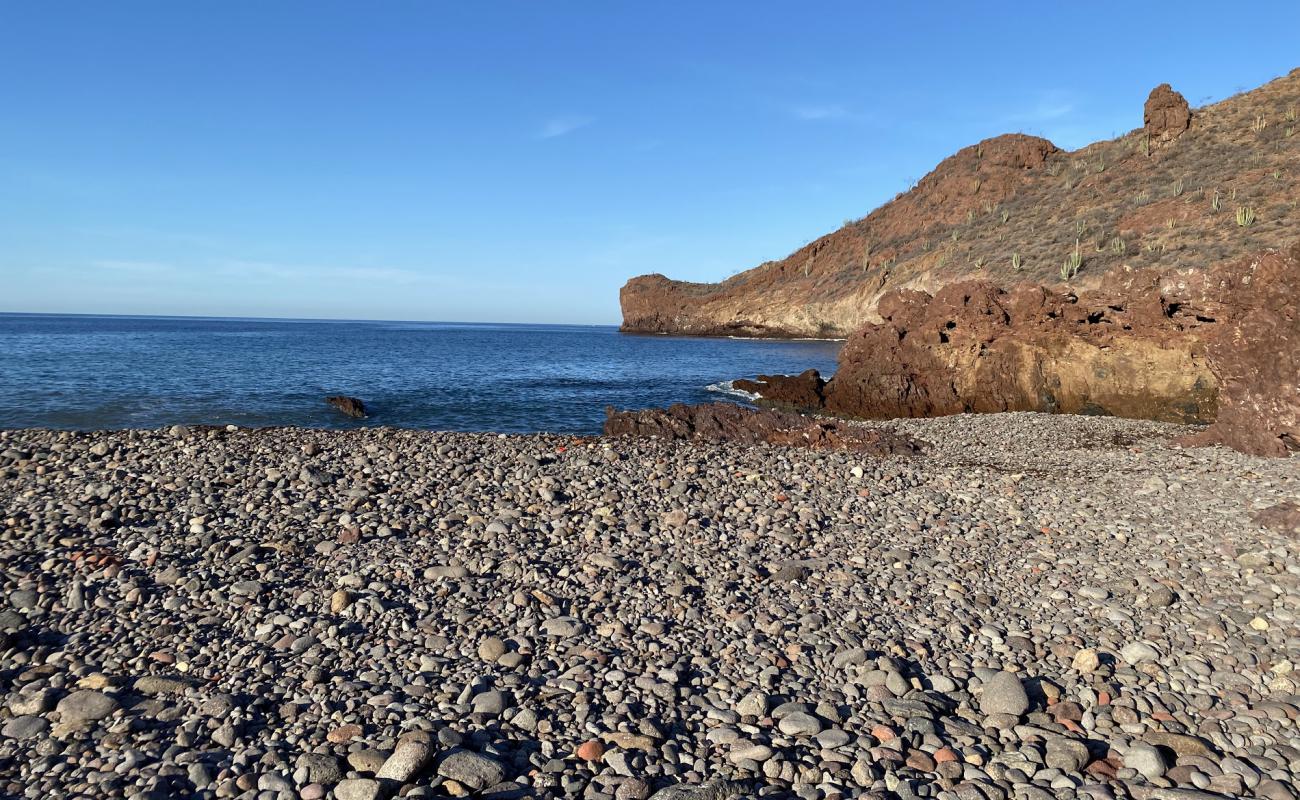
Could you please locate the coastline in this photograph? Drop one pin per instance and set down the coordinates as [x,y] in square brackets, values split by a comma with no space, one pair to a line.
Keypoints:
[772,337]
[1037,604]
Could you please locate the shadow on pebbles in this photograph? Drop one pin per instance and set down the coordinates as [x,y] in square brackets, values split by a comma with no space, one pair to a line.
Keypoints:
[1038,607]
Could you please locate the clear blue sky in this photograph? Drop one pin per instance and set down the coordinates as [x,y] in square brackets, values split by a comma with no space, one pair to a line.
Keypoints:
[517,161]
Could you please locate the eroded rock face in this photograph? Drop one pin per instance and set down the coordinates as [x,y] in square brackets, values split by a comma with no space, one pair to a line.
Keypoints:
[1256,357]
[974,347]
[1217,346]
[1166,115]
[725,422]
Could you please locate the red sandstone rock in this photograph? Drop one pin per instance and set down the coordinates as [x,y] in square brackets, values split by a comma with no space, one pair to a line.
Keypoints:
[974,347]
[1220,346]
[1256,357]
[1166,115]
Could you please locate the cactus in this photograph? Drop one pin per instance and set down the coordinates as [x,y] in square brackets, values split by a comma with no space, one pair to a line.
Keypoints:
[1245,216]
[1073,262]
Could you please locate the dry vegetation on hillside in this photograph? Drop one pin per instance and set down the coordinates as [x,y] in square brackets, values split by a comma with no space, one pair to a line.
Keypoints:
[1016,208]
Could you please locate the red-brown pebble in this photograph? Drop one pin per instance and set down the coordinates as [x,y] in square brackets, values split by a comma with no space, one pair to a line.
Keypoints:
[591,750]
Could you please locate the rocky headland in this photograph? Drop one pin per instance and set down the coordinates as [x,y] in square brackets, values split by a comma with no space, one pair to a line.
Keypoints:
[1190,189]
[1030,606]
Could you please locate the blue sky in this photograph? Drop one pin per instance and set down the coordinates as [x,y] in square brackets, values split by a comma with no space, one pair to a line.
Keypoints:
[518,161]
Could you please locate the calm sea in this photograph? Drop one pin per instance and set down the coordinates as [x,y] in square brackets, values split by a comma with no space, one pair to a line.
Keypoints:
[93,372]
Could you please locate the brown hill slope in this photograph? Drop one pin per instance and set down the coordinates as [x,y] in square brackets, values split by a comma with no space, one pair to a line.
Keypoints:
[1016,208]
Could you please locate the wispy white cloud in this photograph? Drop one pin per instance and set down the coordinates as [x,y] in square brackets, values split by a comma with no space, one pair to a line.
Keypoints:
[1049,106]
[817,112]
[151,235]
[630,247]
[133,267]
[265,270]
[260,271]
[563,126]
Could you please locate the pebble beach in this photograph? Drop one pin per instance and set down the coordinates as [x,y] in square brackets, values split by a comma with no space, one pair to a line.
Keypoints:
[1036,607]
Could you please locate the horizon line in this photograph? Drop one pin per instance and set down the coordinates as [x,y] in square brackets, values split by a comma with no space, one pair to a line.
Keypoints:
[217,318]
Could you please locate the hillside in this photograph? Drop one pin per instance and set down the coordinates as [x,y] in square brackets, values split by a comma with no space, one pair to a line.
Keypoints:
[1183,191]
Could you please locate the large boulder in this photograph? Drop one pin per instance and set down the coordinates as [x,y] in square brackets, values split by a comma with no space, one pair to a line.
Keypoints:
[1166,115]
[1283,517]
[974,347]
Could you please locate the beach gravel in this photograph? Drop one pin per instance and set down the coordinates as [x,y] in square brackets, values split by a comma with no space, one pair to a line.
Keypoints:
[1033,607]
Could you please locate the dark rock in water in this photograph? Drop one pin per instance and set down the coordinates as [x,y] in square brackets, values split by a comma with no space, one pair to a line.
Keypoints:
[725,422]
[802,391]
[348,405]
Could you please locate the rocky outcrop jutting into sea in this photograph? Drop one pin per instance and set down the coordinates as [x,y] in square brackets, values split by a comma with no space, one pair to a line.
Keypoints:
[1219,346]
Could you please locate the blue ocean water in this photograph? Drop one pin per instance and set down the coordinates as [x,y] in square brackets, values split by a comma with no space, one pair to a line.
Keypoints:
[95,372]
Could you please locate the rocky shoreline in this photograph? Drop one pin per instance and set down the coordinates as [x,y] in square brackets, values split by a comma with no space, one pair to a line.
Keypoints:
[1033,606]
[1218,347]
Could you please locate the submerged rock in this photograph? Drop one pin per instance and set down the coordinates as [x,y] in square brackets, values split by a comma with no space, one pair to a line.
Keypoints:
[802,391]
[351,406]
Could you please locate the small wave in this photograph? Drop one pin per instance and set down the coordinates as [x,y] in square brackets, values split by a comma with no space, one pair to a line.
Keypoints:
[779,339]
[725,387]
